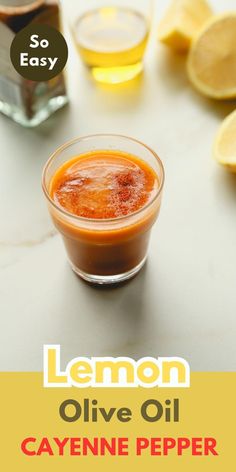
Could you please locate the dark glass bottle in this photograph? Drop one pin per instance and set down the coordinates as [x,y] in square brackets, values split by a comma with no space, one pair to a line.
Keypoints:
[27,102]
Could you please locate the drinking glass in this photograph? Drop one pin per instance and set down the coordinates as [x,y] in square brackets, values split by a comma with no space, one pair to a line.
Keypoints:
[111,37]
[105,251]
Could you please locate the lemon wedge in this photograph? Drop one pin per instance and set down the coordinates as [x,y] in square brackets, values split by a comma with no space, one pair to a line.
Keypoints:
[183,20]
[212,58]
[225,144]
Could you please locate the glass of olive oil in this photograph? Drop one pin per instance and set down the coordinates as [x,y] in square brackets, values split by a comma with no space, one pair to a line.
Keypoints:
[112,38]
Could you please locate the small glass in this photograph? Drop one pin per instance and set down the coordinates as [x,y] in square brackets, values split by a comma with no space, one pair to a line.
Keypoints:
[105,251]
[112,36]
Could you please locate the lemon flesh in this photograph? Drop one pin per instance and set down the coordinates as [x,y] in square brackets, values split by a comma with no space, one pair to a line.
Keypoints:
[182,22]
[212,58]
[225,144]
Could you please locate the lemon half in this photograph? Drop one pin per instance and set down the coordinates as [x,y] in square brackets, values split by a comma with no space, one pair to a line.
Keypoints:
[212,58]
[225,144]
[183,20]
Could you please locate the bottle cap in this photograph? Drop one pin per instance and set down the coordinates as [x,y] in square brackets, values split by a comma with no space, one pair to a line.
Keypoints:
[19,7]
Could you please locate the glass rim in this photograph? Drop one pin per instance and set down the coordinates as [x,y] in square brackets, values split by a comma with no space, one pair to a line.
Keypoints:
[83,219]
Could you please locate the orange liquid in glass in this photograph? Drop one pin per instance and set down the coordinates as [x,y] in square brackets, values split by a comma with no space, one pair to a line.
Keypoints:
[105,185]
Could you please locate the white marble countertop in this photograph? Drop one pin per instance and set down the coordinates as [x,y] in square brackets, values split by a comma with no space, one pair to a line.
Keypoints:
[183,303]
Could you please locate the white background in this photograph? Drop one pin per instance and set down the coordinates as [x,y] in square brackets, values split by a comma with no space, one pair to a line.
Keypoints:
[184,302]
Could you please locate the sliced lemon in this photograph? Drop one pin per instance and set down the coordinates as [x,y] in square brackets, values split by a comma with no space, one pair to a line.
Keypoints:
[225,144]
[212,58]
[183,20]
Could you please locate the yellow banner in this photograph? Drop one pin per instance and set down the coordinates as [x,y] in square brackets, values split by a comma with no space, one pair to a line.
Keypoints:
[71,429]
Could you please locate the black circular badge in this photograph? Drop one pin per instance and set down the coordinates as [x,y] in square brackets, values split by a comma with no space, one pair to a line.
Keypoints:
[39,52]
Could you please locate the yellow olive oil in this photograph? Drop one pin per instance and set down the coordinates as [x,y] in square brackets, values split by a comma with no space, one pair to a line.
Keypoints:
[112,42]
